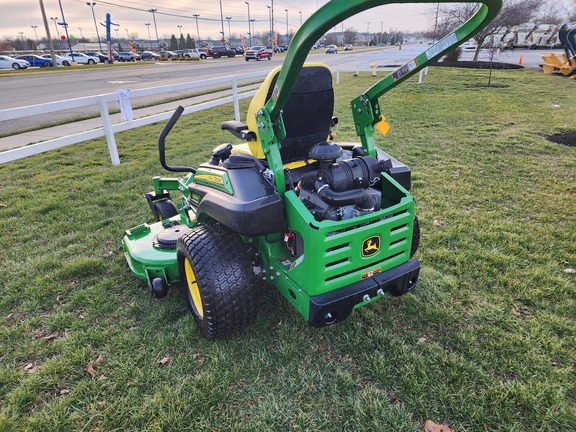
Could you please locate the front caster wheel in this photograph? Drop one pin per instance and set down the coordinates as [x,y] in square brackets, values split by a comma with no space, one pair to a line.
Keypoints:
[164,209]
[159,288]
[217,280]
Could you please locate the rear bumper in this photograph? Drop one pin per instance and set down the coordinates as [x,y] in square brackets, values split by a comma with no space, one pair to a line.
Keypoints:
[335,306]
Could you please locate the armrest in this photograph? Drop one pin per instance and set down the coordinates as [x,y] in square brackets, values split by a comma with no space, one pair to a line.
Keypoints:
[239,130]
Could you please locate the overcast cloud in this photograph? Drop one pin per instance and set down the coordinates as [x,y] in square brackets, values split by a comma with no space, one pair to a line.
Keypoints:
[19,15]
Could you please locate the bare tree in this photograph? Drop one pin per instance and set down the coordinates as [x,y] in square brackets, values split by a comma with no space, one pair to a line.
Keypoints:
[349,35]
[513,13]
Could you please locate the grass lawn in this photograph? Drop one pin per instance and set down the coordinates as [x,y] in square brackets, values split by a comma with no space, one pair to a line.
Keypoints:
[486,342]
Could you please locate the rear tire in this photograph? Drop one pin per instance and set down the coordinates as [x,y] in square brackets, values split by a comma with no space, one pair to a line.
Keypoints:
[217,280]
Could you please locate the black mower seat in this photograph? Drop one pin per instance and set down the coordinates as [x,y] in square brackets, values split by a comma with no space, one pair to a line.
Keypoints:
[307,114]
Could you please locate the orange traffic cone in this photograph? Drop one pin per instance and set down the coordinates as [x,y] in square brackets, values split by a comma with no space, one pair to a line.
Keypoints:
[520,61]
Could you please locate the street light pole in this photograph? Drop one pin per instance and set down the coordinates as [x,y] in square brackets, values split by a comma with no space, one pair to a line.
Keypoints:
[155,27]
[197,30]
[180,40]
[229,33]
[55,21]
[300,12]
[22,37]
[36,36]
[92,4]
[149,38]
[82,37]
[368,31]
[249,31]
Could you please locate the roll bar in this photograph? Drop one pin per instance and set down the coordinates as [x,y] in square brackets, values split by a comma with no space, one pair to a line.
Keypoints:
[366,109]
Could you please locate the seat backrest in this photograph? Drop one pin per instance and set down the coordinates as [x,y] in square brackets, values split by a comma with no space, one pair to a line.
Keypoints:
[307,114]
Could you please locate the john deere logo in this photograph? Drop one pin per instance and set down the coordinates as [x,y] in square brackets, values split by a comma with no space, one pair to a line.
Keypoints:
[370,246]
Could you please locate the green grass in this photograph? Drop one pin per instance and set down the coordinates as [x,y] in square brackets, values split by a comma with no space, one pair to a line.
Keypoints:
[486,342]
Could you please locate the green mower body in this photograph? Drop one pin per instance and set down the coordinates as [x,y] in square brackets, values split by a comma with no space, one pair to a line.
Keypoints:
[331,225]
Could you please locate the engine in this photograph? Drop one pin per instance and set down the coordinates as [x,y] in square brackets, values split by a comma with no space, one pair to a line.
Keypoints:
[344,189]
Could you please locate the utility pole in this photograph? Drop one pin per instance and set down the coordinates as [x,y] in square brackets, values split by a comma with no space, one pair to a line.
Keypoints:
[222,24]
[47,28]
[270,28]
[286,27]
[197,30]
[272,21]
[155,26]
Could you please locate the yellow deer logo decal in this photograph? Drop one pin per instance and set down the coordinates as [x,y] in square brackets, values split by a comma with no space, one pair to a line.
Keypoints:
[370,246]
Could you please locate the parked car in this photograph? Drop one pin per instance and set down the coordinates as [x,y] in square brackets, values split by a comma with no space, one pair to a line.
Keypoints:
[282,48]
[7,62]
[194,53]
[103,58]
[348,48]
[36,60]
[169,54]
[81,58]
[149,55]
[128,56]
[220,51]
[258,53]
[61,61]
[238,50]
[331,49]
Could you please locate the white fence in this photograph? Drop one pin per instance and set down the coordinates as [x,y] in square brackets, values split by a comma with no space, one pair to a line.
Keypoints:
[108,130]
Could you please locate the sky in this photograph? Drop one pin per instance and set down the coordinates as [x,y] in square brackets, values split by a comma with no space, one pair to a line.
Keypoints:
[18,16]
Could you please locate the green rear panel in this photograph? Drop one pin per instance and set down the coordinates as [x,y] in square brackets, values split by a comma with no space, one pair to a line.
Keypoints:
[332,255]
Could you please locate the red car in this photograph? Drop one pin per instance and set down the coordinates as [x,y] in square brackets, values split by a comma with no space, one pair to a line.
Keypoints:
[258,53]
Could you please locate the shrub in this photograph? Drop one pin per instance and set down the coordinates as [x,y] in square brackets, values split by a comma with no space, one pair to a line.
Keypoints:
[453,56]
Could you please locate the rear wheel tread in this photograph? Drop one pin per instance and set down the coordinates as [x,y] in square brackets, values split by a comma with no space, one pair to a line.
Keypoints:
[229,289]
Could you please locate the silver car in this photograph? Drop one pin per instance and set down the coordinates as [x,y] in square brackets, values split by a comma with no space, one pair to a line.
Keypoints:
[7,62]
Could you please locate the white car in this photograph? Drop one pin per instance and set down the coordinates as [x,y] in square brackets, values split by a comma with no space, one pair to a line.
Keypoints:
[82,58]
[59,59]
[7,62]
